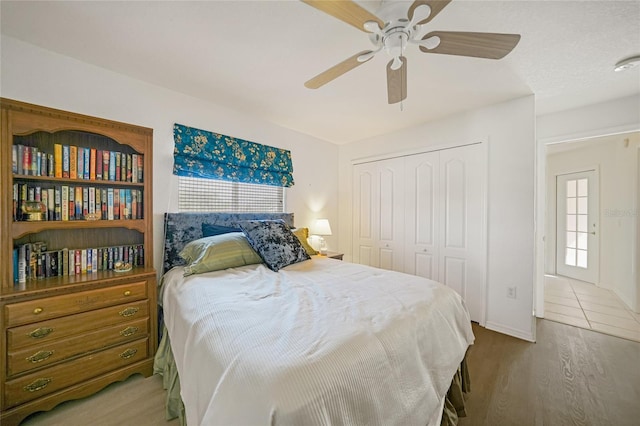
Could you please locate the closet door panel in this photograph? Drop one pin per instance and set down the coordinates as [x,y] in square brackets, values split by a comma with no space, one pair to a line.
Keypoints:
[391,214]
[462,255]
[365,214]
[421,214]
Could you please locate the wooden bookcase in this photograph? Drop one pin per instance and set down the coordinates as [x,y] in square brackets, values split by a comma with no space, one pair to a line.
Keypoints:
[67,336]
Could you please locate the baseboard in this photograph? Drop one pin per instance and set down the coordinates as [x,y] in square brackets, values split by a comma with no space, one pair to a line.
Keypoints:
[510,331]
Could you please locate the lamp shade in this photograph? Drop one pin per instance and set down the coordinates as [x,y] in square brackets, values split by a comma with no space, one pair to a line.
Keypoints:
[321,227]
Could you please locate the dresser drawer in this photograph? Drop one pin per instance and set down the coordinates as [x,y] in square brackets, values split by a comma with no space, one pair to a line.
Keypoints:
[60,376]
[34,335]
[58,350]
[53,307]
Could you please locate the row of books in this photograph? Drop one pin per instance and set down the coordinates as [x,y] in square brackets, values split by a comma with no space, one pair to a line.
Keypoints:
[69,202]
[73,162]
[33,260]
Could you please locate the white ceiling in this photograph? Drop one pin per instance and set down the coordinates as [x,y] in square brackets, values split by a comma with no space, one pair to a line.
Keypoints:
[254,56]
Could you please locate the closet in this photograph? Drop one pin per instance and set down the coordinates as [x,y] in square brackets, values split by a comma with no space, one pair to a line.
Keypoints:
[424,214]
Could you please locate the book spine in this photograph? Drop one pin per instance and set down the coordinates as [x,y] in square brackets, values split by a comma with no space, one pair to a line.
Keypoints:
[37,193]
[73,162]
[43,164]
[38,163]
[105,165]
[16,255]
[99,164]
[78,262]
[105,259]
[116,204]
[140,168]
[129,207]
[72,203]
[58,203]
[20,170]
[26,161]
[65,262]
[89,261]
[92,164]
[103,206]
[78,203]
[92,200]
[87,162]
[34,161]
[110,258]
[51,168]
[134,168]
[51,204]
[16,199]
[118,166]
[65,202]
[112,165]
[65,161]
[31,195]
[85,202]
[94,260]
[45,202]
[14,159]
[110,203]
[83,261]
[128,169]
[80,164]
[98,204]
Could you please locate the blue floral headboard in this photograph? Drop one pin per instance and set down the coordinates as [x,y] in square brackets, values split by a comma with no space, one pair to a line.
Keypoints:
[180,228]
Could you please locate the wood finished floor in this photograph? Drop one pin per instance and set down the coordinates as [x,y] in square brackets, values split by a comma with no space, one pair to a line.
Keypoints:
[571,376]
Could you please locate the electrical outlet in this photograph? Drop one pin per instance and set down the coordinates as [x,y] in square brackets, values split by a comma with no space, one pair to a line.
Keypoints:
[511,292]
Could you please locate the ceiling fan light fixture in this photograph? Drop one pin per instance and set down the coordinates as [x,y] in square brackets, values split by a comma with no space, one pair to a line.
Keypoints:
[627,63]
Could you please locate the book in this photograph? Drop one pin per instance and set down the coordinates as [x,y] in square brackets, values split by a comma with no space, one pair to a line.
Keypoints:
[80,164]
[15,264]
[94,260]
[65,262]
[65,161]
[26,160]
[45,202]
[92,164]
[134,168]
[92,200]
[38,163]
[85,202]
[73,162]
[134,204]
[65,202]
[78,262]
[72,203]
[140,168]
[57,160]
[15,201]
[99,164]
[140,214]
[52,165]
[112,165]
[103,205]
[89,261]
[58,203]
[116,204]
[34,161]
[83,261]
[37,193]
[78,203]
[20,159]
[118,166]
[105,164]
[14,159]
[110,203]
[87,162]
[98,204]
[42,164]
[128,208]
[51,204]
[126,167]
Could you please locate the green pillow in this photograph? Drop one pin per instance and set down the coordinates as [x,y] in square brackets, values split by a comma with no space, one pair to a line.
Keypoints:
[303,234]
[218,252]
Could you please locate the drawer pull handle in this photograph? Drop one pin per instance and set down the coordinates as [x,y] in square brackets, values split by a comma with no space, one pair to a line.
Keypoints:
[128,353]
[39,356]
[127,293]
[37,311]
[41,332]
[129,331]
[38,384]
[129,312]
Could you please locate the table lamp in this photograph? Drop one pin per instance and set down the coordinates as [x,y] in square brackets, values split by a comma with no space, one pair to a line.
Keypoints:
[321,228]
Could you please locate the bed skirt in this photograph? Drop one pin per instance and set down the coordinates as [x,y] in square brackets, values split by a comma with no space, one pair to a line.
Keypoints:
[164,364]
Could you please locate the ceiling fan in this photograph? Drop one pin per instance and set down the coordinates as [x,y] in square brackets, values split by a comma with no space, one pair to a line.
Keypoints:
[393,32]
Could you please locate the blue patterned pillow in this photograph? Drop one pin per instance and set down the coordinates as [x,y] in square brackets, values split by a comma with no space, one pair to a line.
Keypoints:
[274,242]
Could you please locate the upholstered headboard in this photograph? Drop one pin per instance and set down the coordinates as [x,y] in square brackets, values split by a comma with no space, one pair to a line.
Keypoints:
[180,228]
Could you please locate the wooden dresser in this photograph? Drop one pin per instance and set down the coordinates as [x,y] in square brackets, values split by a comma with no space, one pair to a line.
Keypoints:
[69,331]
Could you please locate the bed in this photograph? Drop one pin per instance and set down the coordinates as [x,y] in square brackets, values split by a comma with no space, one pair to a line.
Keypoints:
[318,342]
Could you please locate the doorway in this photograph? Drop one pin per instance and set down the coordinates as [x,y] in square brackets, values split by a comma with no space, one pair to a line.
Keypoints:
[577,245]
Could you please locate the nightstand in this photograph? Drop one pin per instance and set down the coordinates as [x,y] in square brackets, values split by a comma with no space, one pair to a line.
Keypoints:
[335,255]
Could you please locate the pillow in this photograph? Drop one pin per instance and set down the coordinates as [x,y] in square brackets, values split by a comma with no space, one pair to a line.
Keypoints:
[209,230]
[274,242]
[218,252]
[303,235]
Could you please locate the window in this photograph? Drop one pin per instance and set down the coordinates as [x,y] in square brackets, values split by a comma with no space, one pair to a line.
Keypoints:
[210,195]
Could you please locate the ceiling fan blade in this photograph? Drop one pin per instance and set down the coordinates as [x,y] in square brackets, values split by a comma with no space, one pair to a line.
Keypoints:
[478,45]
[346,11]
[337,70]
[435,5]
[397,82]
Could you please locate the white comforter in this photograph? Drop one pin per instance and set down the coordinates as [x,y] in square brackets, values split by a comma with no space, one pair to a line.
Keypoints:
[319,342]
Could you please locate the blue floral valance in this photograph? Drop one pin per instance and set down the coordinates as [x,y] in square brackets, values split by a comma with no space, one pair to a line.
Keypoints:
[199,153]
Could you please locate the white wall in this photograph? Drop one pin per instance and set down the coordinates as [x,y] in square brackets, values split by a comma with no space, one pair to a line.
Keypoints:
[42,77]
[509,128]
[616,161]
[606,118]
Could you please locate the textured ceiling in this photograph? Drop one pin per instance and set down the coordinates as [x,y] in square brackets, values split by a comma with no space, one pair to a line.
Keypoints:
[254,56]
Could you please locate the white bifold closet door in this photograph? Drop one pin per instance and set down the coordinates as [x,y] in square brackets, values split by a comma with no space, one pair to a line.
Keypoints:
[424,214]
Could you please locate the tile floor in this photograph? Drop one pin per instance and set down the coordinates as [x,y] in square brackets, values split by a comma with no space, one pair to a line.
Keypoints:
[584,305]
